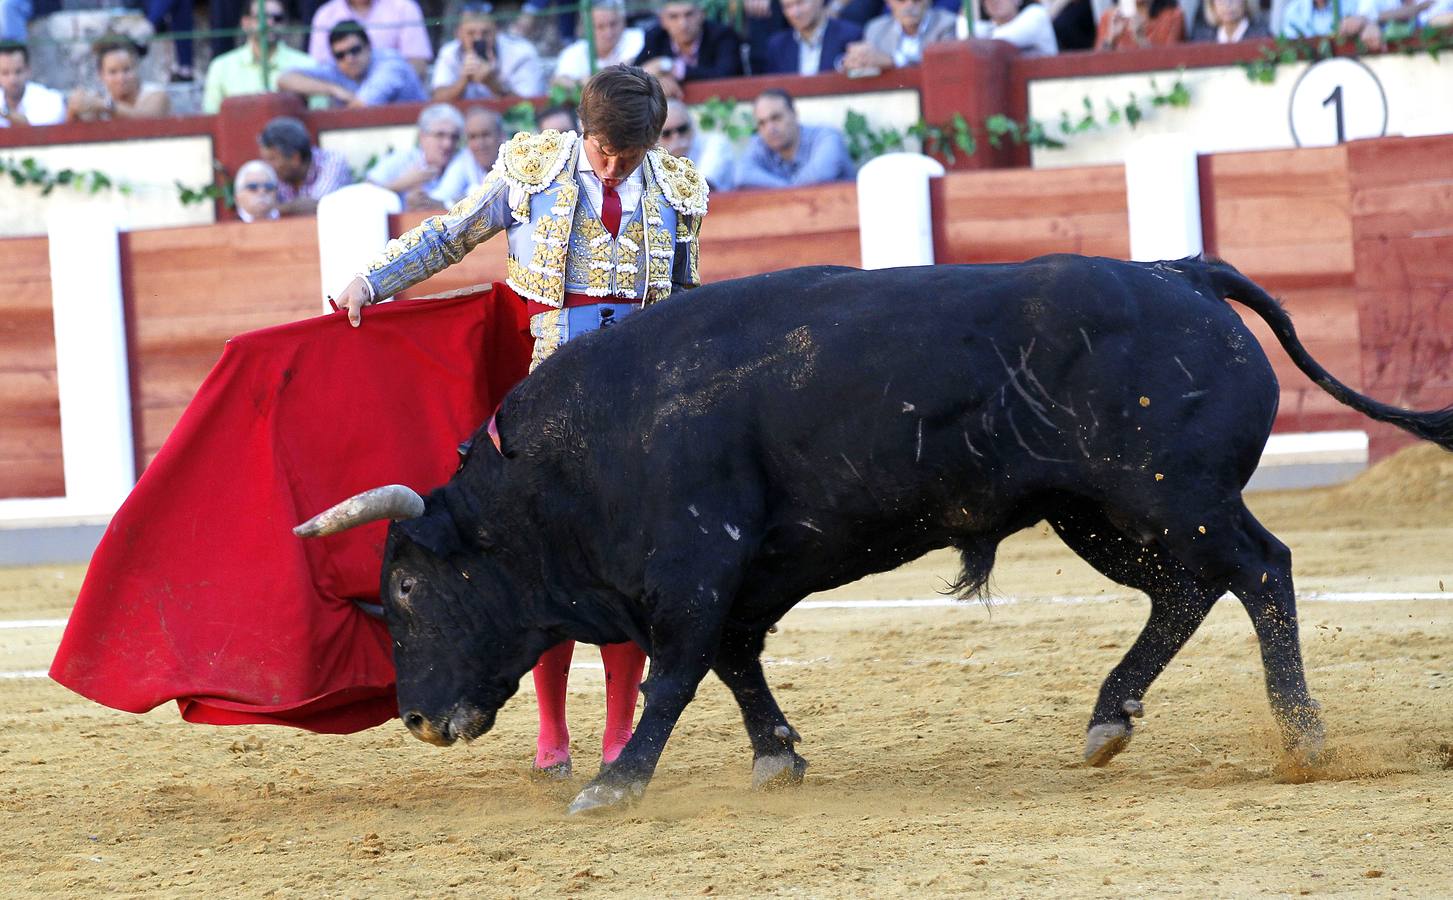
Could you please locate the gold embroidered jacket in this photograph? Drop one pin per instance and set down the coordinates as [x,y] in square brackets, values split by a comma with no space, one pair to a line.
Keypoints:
[557,242]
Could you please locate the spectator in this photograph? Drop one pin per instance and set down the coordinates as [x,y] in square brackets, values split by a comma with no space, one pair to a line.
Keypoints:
[558,118]
[304,172]
[1397,18]
[481,63]
[784,153]
[1155,23]
[358,77]
[614,44]
[1315,18]
[763,19]
[239,71]
[711,152]
[484,132]
[255,190]
[14,20]
[1074,24]
[1024,23]
[898,38]
[414,173]
[683,46]
[178,14]
[122,95]
[1229,21]
[859,12]
[393,25]
[815,42]
[22,101]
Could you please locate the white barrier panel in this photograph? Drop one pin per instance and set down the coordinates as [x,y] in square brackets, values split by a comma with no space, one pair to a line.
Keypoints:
[92,372]
[352,231]
[1163,195]
[895,222]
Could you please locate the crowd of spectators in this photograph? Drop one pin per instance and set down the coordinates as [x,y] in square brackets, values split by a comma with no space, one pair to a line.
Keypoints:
[373,52]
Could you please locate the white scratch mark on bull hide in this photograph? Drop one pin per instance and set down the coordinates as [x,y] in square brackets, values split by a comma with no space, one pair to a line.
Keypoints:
[703,529]
[908,407]
[733,531]
[1191,395]
[1189,377]
[918,454]
[692,509]
[806,524]
[1028,449]
[1088,346]
[970,444]
[854,468]
[1013,381]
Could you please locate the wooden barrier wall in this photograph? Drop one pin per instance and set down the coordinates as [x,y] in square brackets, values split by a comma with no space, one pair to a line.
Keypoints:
[1356,240]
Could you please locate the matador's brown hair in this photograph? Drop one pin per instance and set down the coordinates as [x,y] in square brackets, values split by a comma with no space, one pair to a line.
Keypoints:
[623,107]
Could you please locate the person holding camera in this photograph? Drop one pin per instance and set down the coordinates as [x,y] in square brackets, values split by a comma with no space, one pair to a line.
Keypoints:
[483,62]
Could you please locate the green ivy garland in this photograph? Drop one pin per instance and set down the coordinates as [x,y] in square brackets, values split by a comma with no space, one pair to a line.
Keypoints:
[956,136]
[30,172]
[1284,51]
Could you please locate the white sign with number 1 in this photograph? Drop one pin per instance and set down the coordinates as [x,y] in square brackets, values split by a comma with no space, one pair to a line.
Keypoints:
[1335,101]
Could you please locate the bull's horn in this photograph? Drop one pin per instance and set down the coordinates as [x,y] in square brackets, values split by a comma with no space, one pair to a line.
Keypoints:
[392,501]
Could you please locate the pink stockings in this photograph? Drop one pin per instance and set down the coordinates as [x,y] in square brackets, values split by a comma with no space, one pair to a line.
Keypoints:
[623,666]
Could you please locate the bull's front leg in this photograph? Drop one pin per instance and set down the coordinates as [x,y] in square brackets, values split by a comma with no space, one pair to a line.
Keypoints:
[681,655]
[775,762]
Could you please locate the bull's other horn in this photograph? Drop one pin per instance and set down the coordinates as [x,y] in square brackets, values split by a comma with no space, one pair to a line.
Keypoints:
[392,501]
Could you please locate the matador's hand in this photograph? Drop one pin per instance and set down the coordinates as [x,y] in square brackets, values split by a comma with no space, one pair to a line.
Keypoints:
[353,299]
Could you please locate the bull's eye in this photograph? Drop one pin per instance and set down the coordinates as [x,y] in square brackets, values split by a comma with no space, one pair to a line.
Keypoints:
[406,584]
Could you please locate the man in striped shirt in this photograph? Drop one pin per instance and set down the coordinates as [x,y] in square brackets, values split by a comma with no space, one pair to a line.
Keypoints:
[305,172]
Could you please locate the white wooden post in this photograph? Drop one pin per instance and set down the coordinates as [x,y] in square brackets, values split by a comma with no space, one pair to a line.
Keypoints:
[895,221]
[352,231]
[1163,195]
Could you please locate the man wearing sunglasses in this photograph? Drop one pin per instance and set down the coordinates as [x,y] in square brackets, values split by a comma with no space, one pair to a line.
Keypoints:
[599,226]
[709,151]
[358,76]
[255,190]
[239,71]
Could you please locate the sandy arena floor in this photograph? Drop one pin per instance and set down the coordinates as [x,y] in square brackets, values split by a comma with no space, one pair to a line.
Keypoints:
[944,745]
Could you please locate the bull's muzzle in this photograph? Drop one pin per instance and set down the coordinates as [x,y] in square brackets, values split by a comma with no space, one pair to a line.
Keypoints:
[464,723]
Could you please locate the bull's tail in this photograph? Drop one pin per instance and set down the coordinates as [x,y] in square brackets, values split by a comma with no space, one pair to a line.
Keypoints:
[1432,425]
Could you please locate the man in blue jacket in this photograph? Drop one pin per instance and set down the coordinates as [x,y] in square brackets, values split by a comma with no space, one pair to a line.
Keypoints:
[815,42]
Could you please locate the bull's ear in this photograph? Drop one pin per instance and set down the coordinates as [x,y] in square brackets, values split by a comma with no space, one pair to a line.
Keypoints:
[435,533]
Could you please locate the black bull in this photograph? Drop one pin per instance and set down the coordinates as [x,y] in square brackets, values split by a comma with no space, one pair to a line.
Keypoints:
[683,480]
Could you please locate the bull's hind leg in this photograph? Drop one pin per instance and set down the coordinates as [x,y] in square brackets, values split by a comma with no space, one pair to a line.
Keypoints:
[1231,549]
[775,762]
[1179,603]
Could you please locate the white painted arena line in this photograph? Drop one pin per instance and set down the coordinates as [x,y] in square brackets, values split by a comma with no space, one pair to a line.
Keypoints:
[903,603]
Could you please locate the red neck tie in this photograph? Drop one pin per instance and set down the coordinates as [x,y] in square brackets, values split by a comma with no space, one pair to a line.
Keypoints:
[610,209]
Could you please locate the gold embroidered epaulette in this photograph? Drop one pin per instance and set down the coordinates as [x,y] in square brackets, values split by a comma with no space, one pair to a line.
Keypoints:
[530,162]
[681,185]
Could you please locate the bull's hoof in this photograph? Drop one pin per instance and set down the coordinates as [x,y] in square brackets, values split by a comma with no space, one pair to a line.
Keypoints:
[779,770]
[1304,735]
[1104,741]
[598,798]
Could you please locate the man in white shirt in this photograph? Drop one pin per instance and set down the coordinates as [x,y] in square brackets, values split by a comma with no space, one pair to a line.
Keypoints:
[484,132]
[22,101]
[482,62]
[414,174]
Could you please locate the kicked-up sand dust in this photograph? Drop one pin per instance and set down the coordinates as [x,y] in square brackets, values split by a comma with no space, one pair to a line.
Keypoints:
[944,743]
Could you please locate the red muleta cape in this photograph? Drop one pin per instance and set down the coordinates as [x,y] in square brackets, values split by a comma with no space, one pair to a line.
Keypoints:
[200,593]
